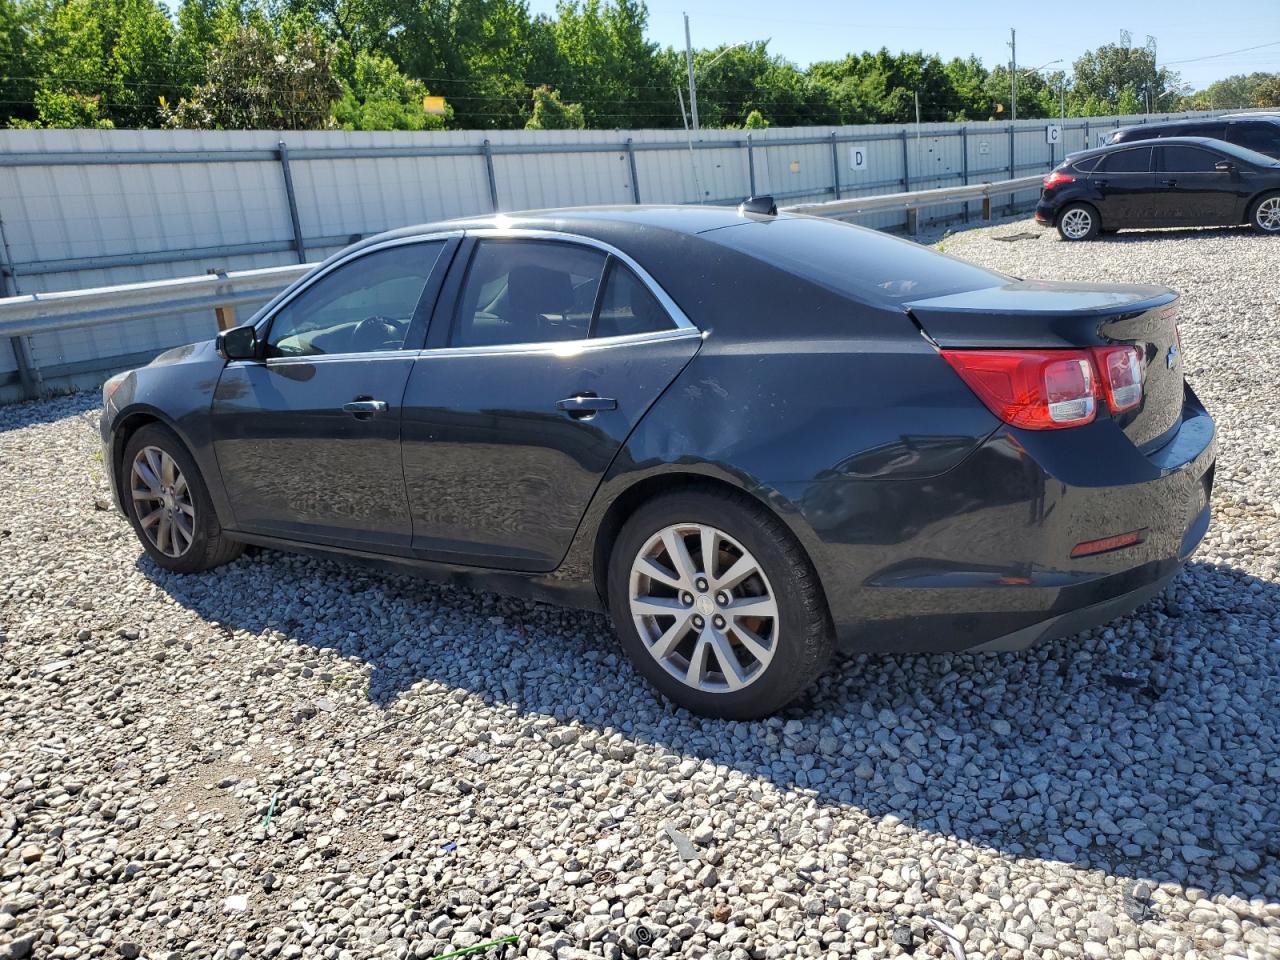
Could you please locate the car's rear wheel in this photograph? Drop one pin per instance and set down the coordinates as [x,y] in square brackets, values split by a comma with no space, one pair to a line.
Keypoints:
[1078,221]
[168,504]
[1264,216]
[717,604]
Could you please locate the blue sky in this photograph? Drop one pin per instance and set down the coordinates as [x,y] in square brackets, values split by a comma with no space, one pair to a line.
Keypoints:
[808,30]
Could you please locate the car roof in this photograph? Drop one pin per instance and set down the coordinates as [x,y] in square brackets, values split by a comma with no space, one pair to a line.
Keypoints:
[1139,144]
[602,223]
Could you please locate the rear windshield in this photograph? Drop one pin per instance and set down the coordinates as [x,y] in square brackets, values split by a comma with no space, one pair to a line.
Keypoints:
[855,262]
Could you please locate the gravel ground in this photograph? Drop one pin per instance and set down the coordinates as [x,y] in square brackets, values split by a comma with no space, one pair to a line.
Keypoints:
[296,758]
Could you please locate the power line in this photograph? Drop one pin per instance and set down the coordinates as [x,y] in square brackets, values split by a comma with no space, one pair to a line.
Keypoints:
[1228,53]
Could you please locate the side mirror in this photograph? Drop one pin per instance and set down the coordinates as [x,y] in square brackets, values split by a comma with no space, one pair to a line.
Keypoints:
[1225,166]
[238,343]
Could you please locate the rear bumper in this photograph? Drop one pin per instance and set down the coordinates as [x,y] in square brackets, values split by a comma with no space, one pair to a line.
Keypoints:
[1045,213]
[979,558]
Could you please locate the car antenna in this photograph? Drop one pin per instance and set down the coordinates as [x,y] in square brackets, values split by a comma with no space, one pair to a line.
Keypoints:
[763,205]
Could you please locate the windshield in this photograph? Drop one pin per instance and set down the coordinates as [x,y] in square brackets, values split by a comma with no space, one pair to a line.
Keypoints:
[854,261]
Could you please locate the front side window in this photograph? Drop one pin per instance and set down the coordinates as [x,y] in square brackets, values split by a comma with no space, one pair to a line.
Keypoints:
[362,306]
[527,291]
[627,307]
[1137,160]
[1186,160]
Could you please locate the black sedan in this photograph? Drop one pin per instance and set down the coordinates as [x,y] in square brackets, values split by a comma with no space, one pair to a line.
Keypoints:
[749,438]
[1171,182]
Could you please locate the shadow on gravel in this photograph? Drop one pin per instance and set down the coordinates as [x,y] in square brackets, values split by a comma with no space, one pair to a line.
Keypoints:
[1148,749]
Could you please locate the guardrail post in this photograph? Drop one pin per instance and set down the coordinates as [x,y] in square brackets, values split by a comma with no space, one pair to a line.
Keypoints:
[835,164]
[906,163]
[751,165]
[28,372]
[964,165]
[1013,170]
[493,180]
[282,150]
[635,180]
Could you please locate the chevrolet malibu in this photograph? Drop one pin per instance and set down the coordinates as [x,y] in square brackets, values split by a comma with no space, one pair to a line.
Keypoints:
[751,439]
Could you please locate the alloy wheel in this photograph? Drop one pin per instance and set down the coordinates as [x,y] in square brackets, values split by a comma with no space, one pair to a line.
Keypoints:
[1267,216]
[1076,223]
[704,608]
[162,501]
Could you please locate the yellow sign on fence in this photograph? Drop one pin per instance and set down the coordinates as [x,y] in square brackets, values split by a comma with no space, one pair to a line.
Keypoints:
[433,104]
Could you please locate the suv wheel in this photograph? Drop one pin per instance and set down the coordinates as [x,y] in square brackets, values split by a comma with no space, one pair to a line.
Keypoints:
[717,605]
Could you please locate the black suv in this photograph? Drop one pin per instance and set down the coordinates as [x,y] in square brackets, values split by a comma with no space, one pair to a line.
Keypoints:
[1257,133]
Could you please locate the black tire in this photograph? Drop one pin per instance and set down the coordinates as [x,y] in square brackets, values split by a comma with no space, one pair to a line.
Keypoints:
[208,547]
[1256,220]
[1070,215]
[802,638]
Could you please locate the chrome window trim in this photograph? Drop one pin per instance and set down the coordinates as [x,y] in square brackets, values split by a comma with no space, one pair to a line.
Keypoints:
[566,348]
[307,282]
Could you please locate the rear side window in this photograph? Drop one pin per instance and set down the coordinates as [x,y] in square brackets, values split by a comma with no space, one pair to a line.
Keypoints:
[527,291]
[1263,137]
[627,307]
[1085,164]
[1186,160]
[1136,160]
[853,261]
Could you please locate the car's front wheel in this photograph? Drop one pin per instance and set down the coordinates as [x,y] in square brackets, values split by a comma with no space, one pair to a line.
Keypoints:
[1078,221]
[1264,216]
[717,604]
[168,504]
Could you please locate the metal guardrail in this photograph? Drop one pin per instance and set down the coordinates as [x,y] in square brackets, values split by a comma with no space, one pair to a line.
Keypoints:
[33,313]
[916,200]
[221,292]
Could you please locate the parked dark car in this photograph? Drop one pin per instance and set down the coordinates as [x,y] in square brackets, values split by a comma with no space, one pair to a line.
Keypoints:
[1175,182]
[748,438]
[1257,132]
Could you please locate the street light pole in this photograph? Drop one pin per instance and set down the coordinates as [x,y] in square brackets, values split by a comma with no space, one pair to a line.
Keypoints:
[693,85]
[1013,70]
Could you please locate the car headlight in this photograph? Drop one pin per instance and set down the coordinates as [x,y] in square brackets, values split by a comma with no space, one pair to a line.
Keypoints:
[112,385]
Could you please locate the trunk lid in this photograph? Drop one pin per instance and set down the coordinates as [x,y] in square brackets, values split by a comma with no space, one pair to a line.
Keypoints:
[1059,314]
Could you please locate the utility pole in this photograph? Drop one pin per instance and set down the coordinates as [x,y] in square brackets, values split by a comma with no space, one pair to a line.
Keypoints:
[1013,70]
[693,86]
[1155,73]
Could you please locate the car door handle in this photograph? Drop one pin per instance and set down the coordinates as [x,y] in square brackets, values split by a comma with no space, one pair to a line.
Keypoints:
[584,406]
[1168,183]
[363,407]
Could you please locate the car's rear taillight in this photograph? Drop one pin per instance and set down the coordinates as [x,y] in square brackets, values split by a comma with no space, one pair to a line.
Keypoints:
[1120,373]
[1032,389]
[1057,179]
[1051,389]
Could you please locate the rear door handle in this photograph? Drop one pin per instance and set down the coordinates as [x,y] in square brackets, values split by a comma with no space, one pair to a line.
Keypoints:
[363,408]
[585,406]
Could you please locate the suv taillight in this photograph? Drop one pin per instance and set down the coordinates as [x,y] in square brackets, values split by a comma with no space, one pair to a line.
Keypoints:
[1057,179]
[1051,389]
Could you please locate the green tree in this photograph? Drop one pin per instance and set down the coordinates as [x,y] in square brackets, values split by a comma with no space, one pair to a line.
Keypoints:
[602,59]
[114,53]
[19,63]
[755,121]
[1267,92]
[551,113]
[1124,77]
[377,96]
[256,81]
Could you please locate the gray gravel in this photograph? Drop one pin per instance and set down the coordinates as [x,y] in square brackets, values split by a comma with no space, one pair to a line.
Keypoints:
[294,758]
